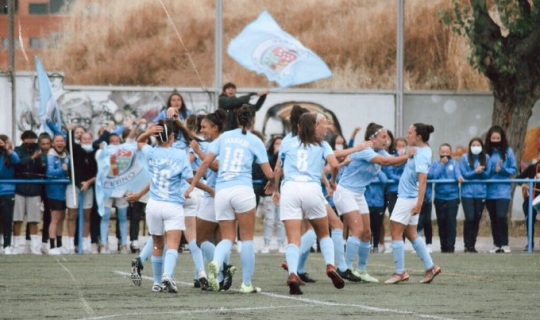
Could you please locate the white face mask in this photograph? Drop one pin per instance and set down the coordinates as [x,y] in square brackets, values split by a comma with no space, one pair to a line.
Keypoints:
[476,150]
[87,147]
[339,147]
[400,151]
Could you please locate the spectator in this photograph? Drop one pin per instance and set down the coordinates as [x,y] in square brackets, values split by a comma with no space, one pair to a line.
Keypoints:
[8,160]
[374,195]
[45,142]
[57,168]
[503,165]
[531,172]
[175,101]
[271,211]
[446,197]
[28,196]
[474,166]
[121,214]
[230,103]
[85,169]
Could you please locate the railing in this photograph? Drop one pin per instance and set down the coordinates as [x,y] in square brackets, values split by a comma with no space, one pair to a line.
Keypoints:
[529,182]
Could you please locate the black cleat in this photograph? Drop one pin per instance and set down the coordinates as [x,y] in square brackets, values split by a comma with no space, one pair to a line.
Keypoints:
[349,275]
[305,278]
[204,284]
[228,273]
[136,268]
[197,283]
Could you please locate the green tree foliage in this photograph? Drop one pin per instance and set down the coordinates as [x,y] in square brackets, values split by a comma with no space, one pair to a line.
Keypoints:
[504,37]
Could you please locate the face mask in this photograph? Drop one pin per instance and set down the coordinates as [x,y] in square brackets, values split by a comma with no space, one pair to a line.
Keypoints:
[30,145]
[476,150]
[400,151]
[87,147]
[339,147]
[496,144]
[447,157]
[142,127]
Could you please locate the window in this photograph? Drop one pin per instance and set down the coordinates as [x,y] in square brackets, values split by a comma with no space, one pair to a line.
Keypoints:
[35,43]
[59,6]
[5,44]
[38,8]
[4,6]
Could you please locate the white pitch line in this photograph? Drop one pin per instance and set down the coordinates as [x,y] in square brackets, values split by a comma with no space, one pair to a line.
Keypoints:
[84,303]
[220,310]
[324,303]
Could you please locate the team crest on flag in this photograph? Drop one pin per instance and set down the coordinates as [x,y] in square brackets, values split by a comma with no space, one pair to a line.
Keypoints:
[121,169]
[121,161]
[265,48]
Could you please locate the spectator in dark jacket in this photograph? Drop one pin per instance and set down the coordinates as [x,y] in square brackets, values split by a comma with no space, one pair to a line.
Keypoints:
[229,102]
[8,159]
[85,169]
[28,196]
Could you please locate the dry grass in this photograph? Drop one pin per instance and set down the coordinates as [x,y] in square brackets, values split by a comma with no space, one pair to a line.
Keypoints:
[131,42]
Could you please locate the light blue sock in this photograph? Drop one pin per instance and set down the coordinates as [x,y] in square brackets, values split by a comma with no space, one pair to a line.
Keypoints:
[222,251]
[208,249]
[421,251]
[197,257]
[121,216]
[351,251]
[171,258]
[292,254]
[339,250]
[157,269]
[327,250]
[306,242]
[363,255]
[146,251]
[247,256]
[398,251]
[104,226]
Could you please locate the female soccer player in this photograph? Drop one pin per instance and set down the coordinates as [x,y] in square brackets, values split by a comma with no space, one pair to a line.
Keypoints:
[164,211]
[304,158]
[404,219]
[349,196]
[235,199]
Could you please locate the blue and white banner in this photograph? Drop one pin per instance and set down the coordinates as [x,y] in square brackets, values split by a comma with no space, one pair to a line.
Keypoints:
[121,169]
[48,107]
[265,48]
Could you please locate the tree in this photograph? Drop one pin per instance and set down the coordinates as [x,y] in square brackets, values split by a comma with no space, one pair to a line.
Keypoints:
[504,36]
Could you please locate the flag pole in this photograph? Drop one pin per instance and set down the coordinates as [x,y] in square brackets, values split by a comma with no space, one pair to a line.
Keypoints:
[71,164]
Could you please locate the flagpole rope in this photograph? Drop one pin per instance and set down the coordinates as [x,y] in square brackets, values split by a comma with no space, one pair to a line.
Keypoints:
[184,46]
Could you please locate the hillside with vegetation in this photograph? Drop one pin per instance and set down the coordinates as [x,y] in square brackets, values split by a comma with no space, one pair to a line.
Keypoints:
[132,42]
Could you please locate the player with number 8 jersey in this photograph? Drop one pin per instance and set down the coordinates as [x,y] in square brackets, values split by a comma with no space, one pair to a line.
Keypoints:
[304,157]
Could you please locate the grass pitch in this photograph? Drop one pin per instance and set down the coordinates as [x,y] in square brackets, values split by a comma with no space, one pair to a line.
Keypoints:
[479,286]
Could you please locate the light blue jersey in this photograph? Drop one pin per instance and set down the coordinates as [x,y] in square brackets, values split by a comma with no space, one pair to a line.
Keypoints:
[420,163]
[358,174]
[303,163]
[169,168]
[236,152]
[210,175]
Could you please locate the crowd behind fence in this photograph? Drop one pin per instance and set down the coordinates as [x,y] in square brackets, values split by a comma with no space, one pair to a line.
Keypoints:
[529,182]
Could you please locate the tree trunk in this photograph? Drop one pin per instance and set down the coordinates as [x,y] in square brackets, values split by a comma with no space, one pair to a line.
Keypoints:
[512,111]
